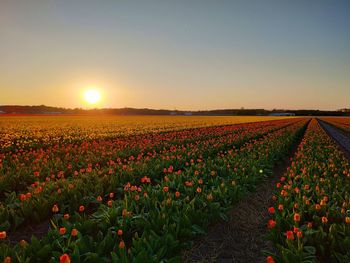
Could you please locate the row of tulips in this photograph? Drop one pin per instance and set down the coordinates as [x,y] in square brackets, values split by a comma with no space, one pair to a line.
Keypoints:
[23,168]
[310,221]
[152,220]
[19,133]
[25,132]
[32,205]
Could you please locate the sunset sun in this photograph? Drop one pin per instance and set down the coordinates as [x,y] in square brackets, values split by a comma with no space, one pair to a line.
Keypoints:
[92,96]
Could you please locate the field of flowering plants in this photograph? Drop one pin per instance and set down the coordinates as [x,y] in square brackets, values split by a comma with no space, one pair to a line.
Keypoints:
[139,197]
[25,132]
[310,221]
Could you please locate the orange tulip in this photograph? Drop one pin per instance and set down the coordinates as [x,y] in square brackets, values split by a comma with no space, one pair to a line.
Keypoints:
[62,230]
[74,232]
[121,244]
[271,210]
[299,234]
[22,197]
[81,208]
[324,220]
[3,235]
[296,217]
[271,224]
[125,212]
[65,258]
[290,235]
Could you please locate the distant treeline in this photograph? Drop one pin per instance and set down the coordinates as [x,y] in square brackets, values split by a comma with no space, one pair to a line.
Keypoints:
[42,109]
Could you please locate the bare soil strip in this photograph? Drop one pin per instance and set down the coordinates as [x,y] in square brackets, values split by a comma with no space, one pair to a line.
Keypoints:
[340,137]
[243,237]
[26,233]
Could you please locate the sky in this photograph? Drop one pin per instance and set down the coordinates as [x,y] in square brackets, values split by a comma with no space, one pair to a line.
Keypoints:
[185,55]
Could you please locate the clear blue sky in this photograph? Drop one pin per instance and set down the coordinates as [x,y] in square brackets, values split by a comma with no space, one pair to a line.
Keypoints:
[176,54]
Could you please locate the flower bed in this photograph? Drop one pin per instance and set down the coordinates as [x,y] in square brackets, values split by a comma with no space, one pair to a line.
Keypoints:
[310,220]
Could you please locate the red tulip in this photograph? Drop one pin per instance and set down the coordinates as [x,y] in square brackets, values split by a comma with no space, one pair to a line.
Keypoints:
[65,258]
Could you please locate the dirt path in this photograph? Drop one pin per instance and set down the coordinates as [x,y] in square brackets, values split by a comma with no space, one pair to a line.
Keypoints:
[341,137]
[242,237]
[26,233]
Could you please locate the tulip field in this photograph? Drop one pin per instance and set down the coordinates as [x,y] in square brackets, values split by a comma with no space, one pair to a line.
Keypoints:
[310,221]
[141,189]
[23,132]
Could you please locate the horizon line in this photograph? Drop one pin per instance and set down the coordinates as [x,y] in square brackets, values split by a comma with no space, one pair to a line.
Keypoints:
[174,110]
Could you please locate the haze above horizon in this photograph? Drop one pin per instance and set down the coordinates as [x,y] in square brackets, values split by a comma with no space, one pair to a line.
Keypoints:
[188,55]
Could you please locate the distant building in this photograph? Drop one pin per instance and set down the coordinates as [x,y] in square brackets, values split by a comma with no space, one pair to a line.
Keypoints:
[188,113]
[282,114]
[2,112]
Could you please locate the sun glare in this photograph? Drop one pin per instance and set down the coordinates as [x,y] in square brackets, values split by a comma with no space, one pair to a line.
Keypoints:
[92,96]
